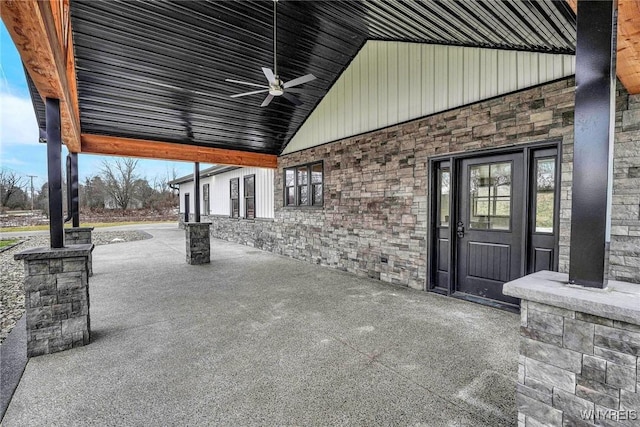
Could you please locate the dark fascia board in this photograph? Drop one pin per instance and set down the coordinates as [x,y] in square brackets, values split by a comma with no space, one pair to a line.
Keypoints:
[38,106]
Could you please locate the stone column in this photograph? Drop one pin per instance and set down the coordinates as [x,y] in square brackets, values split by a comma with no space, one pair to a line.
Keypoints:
[198,243]
[579,352]
[56,298]
[80,236]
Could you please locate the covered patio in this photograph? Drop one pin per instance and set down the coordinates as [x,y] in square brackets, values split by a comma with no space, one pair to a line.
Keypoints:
[237,342]
[418,163]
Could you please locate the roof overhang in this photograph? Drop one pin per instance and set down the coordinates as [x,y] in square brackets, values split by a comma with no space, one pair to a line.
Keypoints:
[128,89]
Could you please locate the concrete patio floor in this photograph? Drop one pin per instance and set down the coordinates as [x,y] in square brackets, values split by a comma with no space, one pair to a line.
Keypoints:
[259,339]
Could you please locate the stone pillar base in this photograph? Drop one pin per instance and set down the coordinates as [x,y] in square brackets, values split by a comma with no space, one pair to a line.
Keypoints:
[79,236]
[56,298]
[198,243]
[579,352]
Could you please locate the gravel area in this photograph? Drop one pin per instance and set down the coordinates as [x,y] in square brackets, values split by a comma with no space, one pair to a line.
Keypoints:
[12,272]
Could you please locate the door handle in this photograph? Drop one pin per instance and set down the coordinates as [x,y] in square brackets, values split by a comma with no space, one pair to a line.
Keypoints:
[460,229]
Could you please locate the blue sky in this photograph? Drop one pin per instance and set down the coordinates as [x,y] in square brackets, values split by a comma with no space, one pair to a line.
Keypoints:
[19,147]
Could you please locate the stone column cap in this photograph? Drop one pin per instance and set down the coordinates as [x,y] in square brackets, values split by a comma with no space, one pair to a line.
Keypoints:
[69,251]
[78,229]
[618,301]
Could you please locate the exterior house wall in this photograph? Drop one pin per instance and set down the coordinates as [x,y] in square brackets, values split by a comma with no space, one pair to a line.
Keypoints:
[220,191]
[185,188]
[219,194]
[375,186]
[392,82]
[110,203]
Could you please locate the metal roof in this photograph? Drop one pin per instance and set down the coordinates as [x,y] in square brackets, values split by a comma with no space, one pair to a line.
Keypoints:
[156,70]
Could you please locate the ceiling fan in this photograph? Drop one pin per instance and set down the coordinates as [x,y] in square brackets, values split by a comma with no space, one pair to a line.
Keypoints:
[276,87]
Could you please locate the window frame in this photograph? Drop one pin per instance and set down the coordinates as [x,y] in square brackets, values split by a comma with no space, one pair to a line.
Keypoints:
[536,191]
[246,198]
[205,199]
[442,168]
[231,198]
[310,186]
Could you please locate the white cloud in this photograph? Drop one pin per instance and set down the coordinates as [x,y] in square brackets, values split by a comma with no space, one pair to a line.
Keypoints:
[18,123]
[12,161]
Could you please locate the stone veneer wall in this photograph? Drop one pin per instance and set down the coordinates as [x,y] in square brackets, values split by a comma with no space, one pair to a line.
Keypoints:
[375,191]
[624,262]
[56,289]
[80,236]
[198,249]
[576,367]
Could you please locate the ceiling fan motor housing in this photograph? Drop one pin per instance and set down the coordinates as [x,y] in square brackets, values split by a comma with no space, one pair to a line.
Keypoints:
[276,88]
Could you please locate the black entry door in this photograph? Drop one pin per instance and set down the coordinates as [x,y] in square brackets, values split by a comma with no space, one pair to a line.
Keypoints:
[489,225]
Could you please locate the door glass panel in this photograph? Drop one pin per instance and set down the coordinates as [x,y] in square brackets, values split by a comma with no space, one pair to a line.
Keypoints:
[444,178]
[490,196]
[545,194]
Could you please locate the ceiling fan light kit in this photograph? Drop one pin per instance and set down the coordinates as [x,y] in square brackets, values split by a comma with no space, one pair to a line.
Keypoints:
[276,87]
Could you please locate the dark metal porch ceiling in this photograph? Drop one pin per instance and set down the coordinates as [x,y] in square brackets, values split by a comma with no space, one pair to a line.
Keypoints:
[156,70]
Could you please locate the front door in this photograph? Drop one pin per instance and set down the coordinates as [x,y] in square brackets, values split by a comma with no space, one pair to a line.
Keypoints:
[489,225]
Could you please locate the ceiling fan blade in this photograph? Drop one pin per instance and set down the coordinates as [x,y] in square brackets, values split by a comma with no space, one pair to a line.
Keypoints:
[249,93]
[269,75]
[267,100]
[299,80]
[292,99]
[307,91]
[245,83]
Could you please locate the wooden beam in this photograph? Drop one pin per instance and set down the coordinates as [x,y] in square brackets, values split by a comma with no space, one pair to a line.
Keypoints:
[628,51]
[33,29]
[115,146]
[628,63]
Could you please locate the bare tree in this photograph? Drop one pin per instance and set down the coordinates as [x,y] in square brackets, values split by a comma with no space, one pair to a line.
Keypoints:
[120,180]
[145,193]
[11,184]
[92,192]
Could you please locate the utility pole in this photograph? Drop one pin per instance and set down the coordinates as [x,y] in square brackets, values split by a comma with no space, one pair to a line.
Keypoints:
[32,176]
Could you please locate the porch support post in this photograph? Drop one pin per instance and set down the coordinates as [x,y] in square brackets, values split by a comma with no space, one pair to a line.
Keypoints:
[593,143]
[73,212]
[54,166]
[196,191]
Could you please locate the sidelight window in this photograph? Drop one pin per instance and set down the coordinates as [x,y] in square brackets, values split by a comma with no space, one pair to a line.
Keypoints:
[444,180]
[545,170]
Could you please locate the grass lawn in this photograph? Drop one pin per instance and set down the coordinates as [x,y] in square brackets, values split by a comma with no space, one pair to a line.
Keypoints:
[9,242]
[84,224]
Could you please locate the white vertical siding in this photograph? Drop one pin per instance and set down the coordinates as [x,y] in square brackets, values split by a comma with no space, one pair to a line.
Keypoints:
[428,75]
[187,188]
[404,83]
[392,82]
[220,191]
[415,77]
